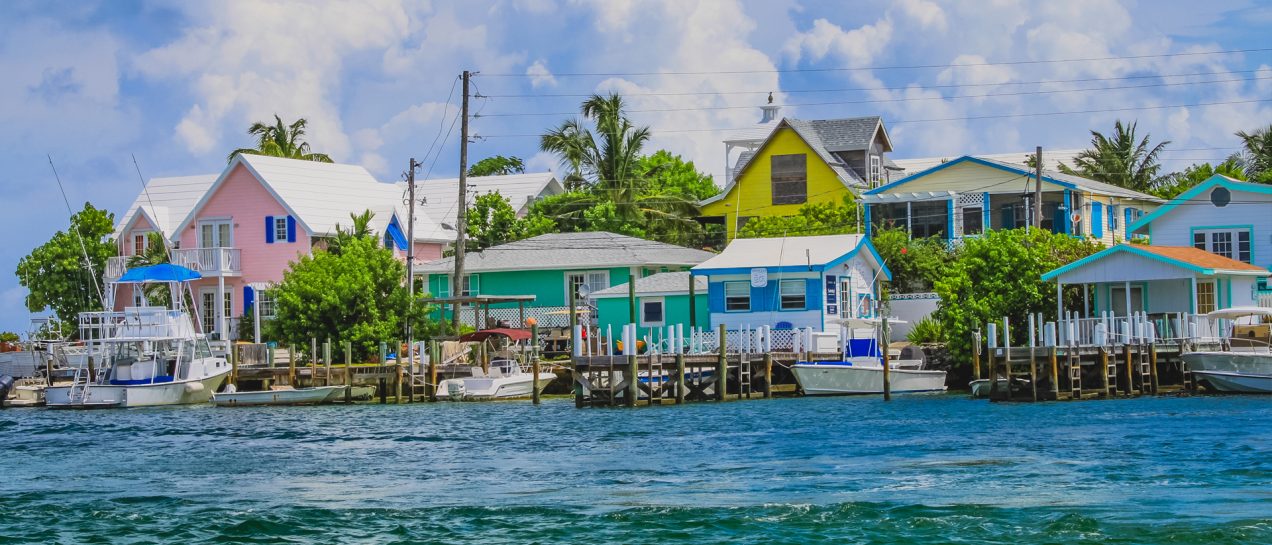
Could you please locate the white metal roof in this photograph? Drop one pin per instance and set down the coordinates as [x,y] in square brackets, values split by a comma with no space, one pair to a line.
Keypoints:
[657,284]
[521,190]
[782,252]
[571,251]
[167,201]
[1051,160]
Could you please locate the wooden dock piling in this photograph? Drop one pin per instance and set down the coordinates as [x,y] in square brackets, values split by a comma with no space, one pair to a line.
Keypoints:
[680,378]
[722,366]
[534,357]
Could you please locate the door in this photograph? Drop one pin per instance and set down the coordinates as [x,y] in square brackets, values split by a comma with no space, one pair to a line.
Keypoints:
[216,234]
[1118,302]
[207,309]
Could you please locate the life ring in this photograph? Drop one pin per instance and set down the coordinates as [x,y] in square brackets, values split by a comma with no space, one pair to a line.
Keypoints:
[1076,218]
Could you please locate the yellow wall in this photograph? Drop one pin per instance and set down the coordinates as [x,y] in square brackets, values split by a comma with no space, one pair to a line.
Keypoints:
[752,194]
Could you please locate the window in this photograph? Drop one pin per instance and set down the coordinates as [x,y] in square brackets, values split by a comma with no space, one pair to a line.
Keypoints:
[845,297]
[138,296]
[141,242]
[1205,297]
[928,219]
[876,170]
[1112,218]
[280,228]
[215,234]
[207,309]
[472,285]
[790,179]
[792,294]
[265,303]
[1230,243]
[737,296]
[651,311]
[973,219]
[594,280]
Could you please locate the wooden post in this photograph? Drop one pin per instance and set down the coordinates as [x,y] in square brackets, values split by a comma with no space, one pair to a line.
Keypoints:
[1104,371]
[397,382]
[992,367]
[483,357]
[326,362]
[693,309]
[768,375]
[631,301]
[633,375]
[534,357]
[348,371]
[384,353]
[1055,373]
[291,365]
[680,378]
[384,390]
[1152,366]
[233,367]
[722,366]
[887,373]
[90,368]
[434,355]
[313,361]
[1033,372]
[1130,384]
[48,370]
[976,355]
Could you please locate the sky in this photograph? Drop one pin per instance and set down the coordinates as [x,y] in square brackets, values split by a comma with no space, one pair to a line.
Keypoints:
[175,84]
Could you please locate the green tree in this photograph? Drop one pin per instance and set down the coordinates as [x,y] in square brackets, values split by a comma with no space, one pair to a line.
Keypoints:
[497,166]
[156,253]
[1123,160]
[492,221]
[916,264]
[1256,154]
[358,296]
[1000,274]
[360,230]
[812,219]
[669,174]
[281,140]
[56,273]
[609,163]
[1184,180]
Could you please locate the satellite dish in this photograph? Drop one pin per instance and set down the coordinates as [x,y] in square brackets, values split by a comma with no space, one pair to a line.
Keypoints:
[584,291]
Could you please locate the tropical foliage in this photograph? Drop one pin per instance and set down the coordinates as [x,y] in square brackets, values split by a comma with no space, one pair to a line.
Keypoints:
[1256,155]
[1182,181]
[497,166]
[281,140]
[64,274]
[360,229]
[812,219]
[668,173]
[156,253]
[916,264]
[1122,159]
[927,330]
[1000,274]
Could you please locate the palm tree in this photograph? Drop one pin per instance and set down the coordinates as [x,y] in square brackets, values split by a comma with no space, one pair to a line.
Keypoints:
[361,228]
[279,140]
[607,162]
[156,253]
[1256,158]
[1121,160]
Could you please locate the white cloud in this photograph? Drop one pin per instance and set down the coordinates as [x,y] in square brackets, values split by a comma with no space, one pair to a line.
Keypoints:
[929,15]
[856,47]
[540,76]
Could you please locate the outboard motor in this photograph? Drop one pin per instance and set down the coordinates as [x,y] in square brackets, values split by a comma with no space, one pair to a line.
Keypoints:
[913,352]
[6,386]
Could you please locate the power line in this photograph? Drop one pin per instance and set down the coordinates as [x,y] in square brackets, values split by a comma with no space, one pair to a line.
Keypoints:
[892,67]
[903,99]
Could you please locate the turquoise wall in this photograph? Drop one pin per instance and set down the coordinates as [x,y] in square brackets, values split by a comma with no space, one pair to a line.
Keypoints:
[548,285]
[614,312]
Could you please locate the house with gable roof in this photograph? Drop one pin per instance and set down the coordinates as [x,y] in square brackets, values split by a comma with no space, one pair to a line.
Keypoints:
[797,162]
[242,228]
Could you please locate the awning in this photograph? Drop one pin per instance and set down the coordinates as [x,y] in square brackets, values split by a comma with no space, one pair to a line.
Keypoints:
[478,336]
[165,272]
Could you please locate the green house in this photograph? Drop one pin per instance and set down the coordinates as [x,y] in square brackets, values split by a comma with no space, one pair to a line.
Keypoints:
[661,300]
[549,266]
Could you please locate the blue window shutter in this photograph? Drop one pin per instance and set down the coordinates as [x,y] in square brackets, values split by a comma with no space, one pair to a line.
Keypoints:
[715,297]
[949,219]
[249,297]
[1057,220]
[813,293]
[269,229]
[291,229]
[1097,217]
[1009,217]
[1126,224]
[986,220]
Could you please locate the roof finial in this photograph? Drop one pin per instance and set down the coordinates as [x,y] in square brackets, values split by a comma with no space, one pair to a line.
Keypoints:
[770,99]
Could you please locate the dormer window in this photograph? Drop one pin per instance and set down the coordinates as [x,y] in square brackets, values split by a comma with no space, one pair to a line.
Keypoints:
[790,178]
[876,170]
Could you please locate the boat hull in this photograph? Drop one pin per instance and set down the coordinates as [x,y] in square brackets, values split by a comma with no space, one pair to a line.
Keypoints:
[184,392]
[824,379]
[1251,363]
[301,396]
[485,389]
[1237,382]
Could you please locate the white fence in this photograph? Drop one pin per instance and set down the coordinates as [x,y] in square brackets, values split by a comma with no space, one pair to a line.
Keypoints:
[209,261]
[544,316]
[1107,330]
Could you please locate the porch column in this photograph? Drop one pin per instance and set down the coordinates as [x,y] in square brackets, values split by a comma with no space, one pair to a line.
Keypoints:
[1193,290]
[256,316]
[1086,301]
[220,308]
[1127,287]
[1059,301]
[908,213]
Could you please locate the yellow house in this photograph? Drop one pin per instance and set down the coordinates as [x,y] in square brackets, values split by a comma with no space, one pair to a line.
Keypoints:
[800,162]
[966,196]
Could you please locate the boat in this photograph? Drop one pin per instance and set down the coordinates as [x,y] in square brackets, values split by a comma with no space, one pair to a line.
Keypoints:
[282,395]
[860,371]
[505,379]
[1246,366]
[981,387]
[150,356]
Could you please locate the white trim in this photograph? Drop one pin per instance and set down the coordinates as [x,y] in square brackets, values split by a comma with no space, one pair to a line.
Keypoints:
[565,279]
[641,306]
[198,232]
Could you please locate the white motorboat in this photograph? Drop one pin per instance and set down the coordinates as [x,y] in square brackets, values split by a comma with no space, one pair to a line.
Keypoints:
[860,372]
[981,387]
[279,396]
[150,355]
[1246,367]
[506,379]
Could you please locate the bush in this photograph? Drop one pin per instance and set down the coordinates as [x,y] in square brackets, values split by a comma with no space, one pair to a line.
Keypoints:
[927,330]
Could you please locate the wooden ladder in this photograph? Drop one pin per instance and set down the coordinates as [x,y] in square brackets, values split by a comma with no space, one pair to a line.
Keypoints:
[1145,370]
[744,376]
[1074,361]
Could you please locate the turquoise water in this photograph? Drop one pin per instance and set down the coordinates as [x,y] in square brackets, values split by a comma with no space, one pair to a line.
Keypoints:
[930,469]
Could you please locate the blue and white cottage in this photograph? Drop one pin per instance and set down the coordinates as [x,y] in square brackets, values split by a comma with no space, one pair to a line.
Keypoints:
[793,282]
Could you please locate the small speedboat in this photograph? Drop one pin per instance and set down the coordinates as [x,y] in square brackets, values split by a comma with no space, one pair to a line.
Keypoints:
[505,380]
[860,372]
[1244,383]
[981,387]
[278,396]
[1247,366]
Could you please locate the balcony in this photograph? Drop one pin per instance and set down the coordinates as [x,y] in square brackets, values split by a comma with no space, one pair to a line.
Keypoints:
[115,267]
[210,262]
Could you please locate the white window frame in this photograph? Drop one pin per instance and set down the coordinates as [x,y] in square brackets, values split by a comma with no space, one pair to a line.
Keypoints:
[145,242]
[139,296]
[745,286]
[209,326]
[215,224]
[876,170]
[265,304]
[1233,250]
[280,228]
[1213,304]
[597,283]
[803,294]
[846,297]
[662,306]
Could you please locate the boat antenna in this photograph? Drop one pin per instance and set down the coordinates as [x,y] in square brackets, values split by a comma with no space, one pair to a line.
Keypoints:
[80,236]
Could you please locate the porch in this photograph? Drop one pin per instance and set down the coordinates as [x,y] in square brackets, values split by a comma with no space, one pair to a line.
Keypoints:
[952,215]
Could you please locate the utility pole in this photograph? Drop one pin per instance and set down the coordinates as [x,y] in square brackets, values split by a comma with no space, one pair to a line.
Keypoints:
[461,220]
[1037,200]
[410,246]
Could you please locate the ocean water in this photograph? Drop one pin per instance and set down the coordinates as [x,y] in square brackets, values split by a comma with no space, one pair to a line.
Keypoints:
[922,469]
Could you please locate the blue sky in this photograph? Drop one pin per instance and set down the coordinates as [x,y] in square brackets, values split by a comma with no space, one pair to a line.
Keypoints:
[176,83]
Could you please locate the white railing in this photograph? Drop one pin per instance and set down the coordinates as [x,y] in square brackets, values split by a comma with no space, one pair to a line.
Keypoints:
[1104,330]
[209,261]
[544,316]
[115,267]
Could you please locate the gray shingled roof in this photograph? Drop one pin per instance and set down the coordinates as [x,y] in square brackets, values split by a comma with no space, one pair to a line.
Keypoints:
[1085,183]
[572,251]
[668,282]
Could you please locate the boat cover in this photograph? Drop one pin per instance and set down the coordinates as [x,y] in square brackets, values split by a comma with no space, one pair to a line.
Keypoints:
[514,334]
[165,272]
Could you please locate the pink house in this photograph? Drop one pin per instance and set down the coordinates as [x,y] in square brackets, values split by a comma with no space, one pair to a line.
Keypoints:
[243,227]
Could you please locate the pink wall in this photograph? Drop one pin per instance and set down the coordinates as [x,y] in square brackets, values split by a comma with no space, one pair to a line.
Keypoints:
[242,198]
[139,225]
[427,251]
